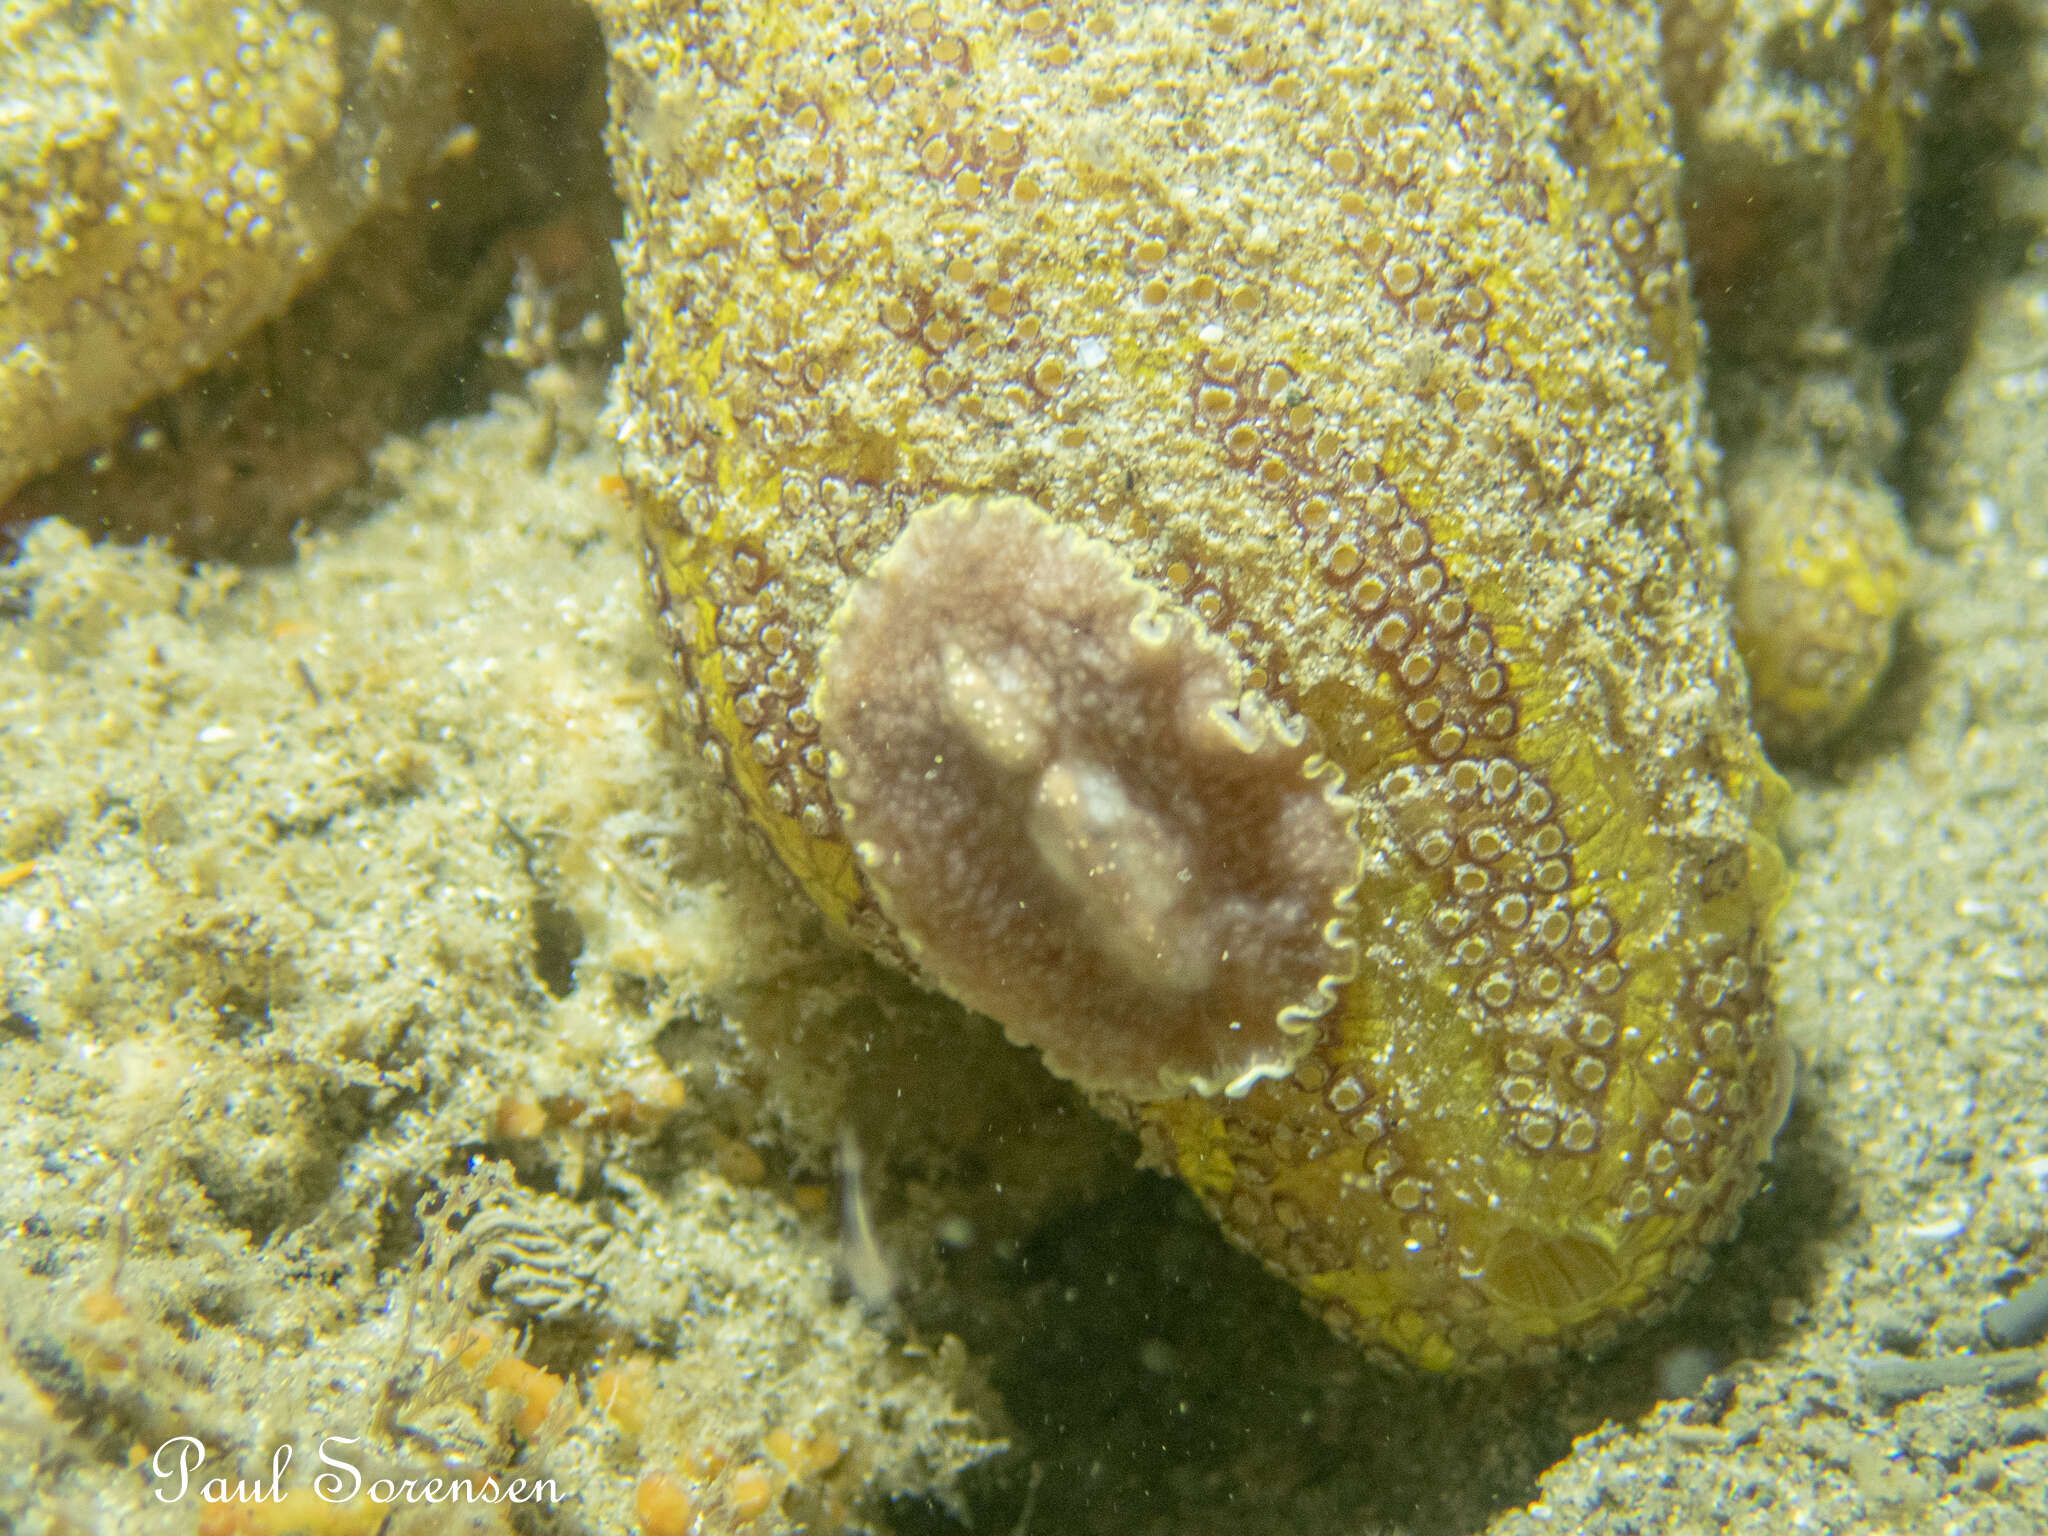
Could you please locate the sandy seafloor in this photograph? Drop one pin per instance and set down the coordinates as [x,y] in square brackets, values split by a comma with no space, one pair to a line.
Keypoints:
[321,885]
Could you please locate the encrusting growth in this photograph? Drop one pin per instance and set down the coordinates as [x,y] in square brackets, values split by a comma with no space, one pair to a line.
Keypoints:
[1076,818]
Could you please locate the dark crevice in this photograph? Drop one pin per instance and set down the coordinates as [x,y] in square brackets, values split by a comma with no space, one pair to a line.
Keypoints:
[1958,239]
[557,942]
[1146,1366]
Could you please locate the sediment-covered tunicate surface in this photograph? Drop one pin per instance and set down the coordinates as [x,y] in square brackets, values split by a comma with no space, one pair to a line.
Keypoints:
[171,172]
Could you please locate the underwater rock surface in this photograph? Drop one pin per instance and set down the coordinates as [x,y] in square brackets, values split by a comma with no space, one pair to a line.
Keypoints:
[365,955]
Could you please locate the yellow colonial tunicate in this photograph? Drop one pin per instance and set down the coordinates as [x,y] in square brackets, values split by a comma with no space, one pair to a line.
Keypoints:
[170,172]
[1311,352]
[1798,120]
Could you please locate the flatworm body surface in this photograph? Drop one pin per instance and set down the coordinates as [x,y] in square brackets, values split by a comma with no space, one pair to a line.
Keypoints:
[1313,354]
